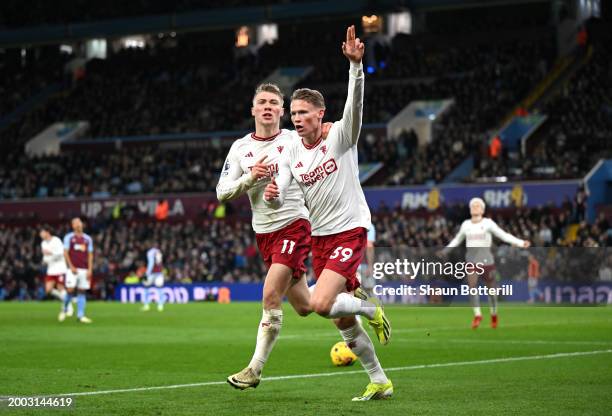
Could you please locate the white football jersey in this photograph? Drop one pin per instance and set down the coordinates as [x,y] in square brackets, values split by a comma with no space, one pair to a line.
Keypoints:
[479,237]
[327,172]
[236,178]
[56,263]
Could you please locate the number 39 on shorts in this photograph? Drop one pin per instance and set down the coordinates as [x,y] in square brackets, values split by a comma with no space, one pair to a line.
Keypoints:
[345,252]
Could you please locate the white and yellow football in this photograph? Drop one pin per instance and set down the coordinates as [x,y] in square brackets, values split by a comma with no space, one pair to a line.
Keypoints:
[341,355]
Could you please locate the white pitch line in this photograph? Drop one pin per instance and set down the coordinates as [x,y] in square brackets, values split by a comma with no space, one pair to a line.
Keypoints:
[466,341]
[506,341]
[333,334]
[335,373]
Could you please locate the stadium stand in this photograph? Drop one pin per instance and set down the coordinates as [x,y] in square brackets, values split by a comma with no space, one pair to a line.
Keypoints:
[579,130]
[134,171]
[225,250]
[175,86]
[165,90]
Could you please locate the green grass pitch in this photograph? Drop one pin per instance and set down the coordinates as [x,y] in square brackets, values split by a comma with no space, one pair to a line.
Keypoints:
[439,365]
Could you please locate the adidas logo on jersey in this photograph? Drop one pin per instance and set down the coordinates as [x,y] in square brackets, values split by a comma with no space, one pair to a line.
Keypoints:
[250,154]
[299,165]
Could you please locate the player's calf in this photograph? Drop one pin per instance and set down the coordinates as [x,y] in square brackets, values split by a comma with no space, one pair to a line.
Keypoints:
[299,296]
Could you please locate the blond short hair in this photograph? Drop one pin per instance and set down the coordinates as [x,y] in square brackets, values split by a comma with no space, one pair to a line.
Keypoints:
[478,201]
[313,97]
[269,87]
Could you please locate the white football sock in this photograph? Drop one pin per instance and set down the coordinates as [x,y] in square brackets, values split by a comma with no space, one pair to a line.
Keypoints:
[269,328]
[475,302]
[56,293]
[348,305]
[493,304]
[359,342]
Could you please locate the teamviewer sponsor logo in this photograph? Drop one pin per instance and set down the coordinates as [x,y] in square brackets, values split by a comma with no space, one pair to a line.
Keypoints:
[319,173]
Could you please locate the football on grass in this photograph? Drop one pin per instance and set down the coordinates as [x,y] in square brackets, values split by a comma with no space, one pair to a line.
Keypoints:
[341,355]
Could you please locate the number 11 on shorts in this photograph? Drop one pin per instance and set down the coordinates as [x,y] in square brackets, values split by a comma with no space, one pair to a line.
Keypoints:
[291,246]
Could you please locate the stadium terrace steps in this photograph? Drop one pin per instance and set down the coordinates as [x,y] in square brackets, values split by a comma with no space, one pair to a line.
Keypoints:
[29,105]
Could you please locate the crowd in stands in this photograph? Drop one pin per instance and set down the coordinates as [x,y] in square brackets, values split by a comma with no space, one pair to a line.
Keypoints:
[166,89]
[578,131]
[23,76]
[211,249]
[141,170]
[143,92]
[483,94]
[208,250]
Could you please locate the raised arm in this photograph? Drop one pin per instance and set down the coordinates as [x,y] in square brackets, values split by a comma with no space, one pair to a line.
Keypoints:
[507,237]
[458,238]
[274,194]
[350,125]
[233,182]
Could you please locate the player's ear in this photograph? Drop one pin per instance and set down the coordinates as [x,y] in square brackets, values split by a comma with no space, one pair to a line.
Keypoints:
[321,113]
[253,111]
[282,111]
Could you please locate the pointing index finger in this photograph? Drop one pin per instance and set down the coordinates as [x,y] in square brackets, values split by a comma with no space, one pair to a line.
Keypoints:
[262,159]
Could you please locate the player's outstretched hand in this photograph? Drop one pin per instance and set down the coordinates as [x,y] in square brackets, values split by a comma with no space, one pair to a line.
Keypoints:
[353,48]
[325,128]
[260,169]
[526,244]
[271,191]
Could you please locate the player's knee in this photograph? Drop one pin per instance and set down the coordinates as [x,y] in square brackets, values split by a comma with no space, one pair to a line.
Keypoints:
[303,310]
[320,306]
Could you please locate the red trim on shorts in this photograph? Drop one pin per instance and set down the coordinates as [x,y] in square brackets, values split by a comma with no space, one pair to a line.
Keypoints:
[57,278]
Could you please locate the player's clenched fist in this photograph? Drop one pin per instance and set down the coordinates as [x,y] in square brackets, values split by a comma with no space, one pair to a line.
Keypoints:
[260,169]
[271,191]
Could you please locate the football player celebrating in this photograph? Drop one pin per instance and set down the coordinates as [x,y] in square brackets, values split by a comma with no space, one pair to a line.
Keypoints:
[283,236]
[477,233]
[326,172]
